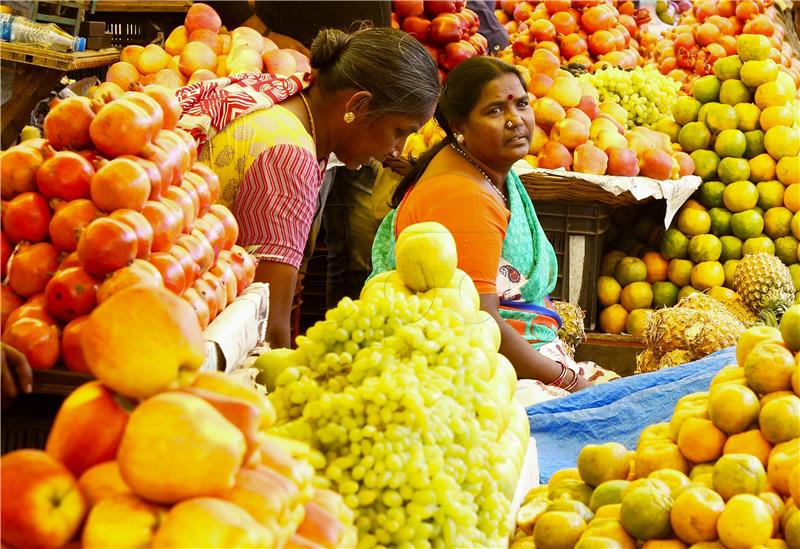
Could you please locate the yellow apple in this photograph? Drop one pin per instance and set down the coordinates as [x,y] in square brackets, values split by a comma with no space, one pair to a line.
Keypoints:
[121,521]
[102,481]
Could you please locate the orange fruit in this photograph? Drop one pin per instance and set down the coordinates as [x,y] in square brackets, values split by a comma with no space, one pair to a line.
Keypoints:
[738,474]
[656,267]
[676,480]
[768,368]
[782,461]
[612,319]
[776,506]
[637,295]
[645,511]
[565,474]
[733,408]
[611,529]
[731,373]
[595,542]
[571,489]
[663,544]
[598,463]
[749,442]
[608,290]
[655,433]
[794,482]
[752,337]
[557,529]
[695,513]
[779,419]
[699,440]
[663,455]
[745,522]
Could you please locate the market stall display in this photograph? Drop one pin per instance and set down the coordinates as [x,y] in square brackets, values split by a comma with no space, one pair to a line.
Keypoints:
[723,470]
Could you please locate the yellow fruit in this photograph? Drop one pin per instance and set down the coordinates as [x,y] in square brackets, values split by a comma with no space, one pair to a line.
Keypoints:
[645,511]
[779,419]
[664,455]
[637,321]
[733,408]
[782,460]
[752,47]
[693,222]
[738,474]
[745,522]
[426,256]
[699,440]
[608,493]
[731,373]
[749,442]
[775,504]
[565,474]
[609,262]
[740,196]
[558,530]
[794,482]
[752,337]
[663,544]
[598,463]
[788,170]
[566,91]
[571,489]
[612,319]
[629,270]
[707,274]
[772,94]
[777,115]
[768,368]
[790,328]
[762,168]
[791,197]
[657,432]
[608,290]
[611,529]
[676,480]
[596,542]
[609,511]
[637,295]
[782,141]
[695,513]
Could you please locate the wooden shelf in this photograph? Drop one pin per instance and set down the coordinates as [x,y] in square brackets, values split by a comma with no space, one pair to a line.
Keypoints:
[55,60]
[140,6]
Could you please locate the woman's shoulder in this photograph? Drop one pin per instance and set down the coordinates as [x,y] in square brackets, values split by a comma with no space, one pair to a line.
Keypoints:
[277,125]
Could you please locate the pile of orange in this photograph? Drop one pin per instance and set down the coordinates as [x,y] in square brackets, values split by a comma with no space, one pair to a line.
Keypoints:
[724,472]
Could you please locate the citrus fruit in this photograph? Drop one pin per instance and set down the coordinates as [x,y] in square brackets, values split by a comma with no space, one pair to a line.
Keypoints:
[611,529]
[570,489]
[794,482]
[747,224]
[637,320]
[612,319]
[721,293]
[788,170]
[768,367]
[730,143]
[732,92]
[738,474]
[752,47]
[758,244]
[699,440]
[695,513]
[762,168]
[782,141]
[685,110]
[790,328]
[779,419]
[674,244]
[727,68]
[747,115]
[656,267]
[778,221]
[720,221]
[608,493]
[686,291]
[733,408]
[694,136]
[598,463]
[609,511]
[731,248]
[752,337]
[692,222]
[706,88]
[707,274]
[669,127]
[749,442]
[773,94]
[656,432]
[755,73]
[679,271]
[721,117]
[733,169]
[665,294]
[711,193]
[608,290]
[558,530]
[629,270]
[662,455]
[740,195]
[610,261]
[791,197]
[645,511]
[704,247]
[705,109]
[794,272]
[745,522]
[705,163]
[786,250]
[782,460]
[570,473]
[571,506]
[676,480]
[777,115]
[755,143]
[791,530]
[770,193]
[730,269]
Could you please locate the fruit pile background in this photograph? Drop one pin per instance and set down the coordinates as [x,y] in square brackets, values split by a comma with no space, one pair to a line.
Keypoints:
[96,208]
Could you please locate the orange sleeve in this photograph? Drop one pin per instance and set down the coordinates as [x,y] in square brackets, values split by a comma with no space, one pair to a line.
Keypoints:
[475,217]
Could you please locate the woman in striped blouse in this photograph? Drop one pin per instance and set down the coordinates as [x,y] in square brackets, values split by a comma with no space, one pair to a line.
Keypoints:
[269,138]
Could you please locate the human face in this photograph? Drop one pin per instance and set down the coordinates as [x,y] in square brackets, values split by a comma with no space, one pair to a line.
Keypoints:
[498,130]
[377,138]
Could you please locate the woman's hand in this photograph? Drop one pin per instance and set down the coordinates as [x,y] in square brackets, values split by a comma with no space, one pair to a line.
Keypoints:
[16,374]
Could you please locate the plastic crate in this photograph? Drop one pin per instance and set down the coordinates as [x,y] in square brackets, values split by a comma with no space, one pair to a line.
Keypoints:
[577,233]
[27,422]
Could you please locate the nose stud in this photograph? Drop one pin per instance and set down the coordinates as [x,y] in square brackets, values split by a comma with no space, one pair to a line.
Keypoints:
[509,124]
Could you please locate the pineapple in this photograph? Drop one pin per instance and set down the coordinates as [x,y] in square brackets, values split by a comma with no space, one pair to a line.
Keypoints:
[704,339]
[571,332]
[739,309]
[699,332]
[675,358]
[646,361]
[765,285]
[665,328]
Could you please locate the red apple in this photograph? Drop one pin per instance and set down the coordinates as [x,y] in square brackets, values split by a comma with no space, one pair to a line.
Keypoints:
[445,28]
[78,439]
[418,27]
[42,504]
[301,62]
[455,53]
[434,52]
[656,164]
[480,43]
[622,161]
[589,105]
[279,62]
[408,8]
[522,46]
[435,7]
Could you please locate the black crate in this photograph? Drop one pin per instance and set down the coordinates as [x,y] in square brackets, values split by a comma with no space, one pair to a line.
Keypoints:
[27,422]
[577,233]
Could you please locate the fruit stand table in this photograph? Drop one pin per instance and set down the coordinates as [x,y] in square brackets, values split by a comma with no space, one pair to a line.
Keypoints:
[36,71]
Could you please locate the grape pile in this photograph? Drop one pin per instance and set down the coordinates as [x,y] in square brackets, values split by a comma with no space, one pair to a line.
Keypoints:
[644,92]
[410,407]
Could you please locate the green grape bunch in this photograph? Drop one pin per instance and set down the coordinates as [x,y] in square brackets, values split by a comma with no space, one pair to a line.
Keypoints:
[408,405]
[644,92]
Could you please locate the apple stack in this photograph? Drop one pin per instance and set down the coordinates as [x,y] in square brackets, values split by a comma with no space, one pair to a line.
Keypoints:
[157,454]
[447,28]
[200,49]
[112,198]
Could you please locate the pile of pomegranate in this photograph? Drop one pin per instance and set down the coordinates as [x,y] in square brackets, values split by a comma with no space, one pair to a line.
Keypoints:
[447,28]
[112,198]
[586,32]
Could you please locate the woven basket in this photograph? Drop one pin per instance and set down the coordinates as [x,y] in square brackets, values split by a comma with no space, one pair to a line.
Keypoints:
[556,188]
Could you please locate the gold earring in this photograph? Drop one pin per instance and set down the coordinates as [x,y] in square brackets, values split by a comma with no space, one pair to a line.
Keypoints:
[349,117]
[460,138]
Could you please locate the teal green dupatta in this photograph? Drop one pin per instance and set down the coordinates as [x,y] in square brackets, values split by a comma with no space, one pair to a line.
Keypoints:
[525,247]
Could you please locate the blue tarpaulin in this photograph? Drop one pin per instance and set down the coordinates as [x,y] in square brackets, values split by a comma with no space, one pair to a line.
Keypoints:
[616,411]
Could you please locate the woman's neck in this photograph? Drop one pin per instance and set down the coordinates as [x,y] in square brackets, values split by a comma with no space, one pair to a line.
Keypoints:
[322,123]
[497,174]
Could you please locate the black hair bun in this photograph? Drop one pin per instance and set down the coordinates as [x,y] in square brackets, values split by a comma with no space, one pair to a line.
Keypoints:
[327,48]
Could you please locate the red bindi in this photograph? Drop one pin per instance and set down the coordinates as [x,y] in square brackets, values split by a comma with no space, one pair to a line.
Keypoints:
[510,97]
